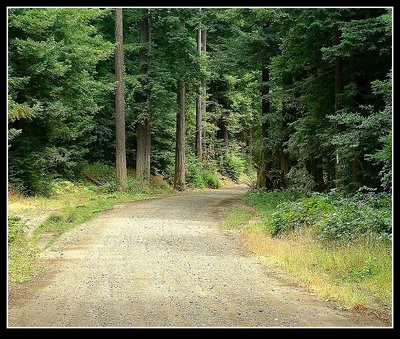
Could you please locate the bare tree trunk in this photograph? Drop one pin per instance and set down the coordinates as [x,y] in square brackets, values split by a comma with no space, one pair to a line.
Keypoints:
[143,125]
[338,91]
[198,150]
[263,180]
[284,162]
[204,50]
[319,174]
[120,151]
[179,179]
[250,144]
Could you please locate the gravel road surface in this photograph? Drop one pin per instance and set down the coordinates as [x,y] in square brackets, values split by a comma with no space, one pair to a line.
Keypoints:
[165,262]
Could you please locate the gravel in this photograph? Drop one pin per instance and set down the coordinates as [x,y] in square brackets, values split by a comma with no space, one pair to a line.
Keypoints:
[165,263]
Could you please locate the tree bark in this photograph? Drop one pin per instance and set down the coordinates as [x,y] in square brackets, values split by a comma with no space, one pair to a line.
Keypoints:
[143,125]
[179,178]
[263,180]
[338,91]
[120,151]
[284,162]
[250,145]
[319,174]
[198,148]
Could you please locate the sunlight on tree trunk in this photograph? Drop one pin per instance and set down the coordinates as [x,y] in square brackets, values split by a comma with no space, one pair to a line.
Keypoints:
[120,102]
[143,124]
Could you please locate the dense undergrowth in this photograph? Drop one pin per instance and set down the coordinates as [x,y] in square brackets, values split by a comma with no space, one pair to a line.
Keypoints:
[339,246]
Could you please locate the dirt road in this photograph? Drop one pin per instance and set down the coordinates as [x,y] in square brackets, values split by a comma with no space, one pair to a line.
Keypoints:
[165,262]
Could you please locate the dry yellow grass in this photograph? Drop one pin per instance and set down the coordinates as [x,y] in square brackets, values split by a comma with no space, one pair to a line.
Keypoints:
[356,275]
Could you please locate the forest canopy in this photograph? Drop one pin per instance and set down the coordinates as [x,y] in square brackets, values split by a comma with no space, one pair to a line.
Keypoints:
[297,98]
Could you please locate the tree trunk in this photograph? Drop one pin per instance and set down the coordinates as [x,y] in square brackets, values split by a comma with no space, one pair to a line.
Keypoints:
[204,87]
[198,150]
[263,180]
[250,145]
[179,179]
[338,91]
[143,124]
[284,162]
[120,151]
[319,174]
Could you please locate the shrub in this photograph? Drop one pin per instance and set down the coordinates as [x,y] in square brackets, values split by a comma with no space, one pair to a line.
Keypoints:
[98,171]
[211,180]
[352,220]
[334,217]
[298,179]
[194,177]
[232,166]
[305,212]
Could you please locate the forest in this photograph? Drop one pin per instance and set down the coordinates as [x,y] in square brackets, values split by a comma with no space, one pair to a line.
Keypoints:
[298,95]
[123,104]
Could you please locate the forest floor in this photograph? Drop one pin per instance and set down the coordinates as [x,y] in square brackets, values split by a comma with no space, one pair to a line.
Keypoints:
[166,262]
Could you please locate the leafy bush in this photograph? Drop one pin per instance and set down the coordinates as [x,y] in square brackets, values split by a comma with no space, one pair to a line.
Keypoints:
[232,166]
[334,217]
[352,220]
[200,178]
[194,177]
[99,171]
[306,212]
[299,179]
[211,180]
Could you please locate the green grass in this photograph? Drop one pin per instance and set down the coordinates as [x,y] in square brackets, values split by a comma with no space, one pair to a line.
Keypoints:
[352,271]
[22,253]
[237,216]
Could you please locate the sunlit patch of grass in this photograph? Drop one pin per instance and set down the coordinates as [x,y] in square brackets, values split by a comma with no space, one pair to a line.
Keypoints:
[237,216]
[352,274]
[22,253]
[83,203]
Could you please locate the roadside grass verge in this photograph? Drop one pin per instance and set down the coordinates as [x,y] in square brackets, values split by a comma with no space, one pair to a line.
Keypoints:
[70,205]
[21,252]
[237,217]
[308,238]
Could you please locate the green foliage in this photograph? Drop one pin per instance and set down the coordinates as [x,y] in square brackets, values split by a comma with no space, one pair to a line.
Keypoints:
[352,220]
[354,270]
[61,93]
[21,253]
[237,217]
[232,166]
[54,94]
[335,217]
[194,175]
[210,179]
[98,171]
[16,229]
[300,180]
[303,213]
